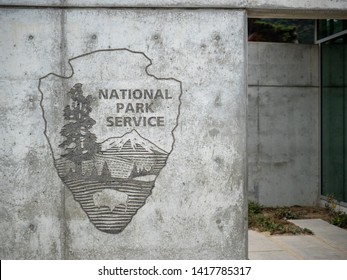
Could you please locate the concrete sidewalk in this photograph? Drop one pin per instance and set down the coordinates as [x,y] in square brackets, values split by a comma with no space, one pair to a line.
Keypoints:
[328,243]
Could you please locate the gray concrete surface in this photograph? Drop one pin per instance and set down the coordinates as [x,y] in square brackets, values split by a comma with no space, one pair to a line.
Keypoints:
[253,4]
[31,214]
[196,209]
[313,9]
[283,124]
[334,236]
[327,243]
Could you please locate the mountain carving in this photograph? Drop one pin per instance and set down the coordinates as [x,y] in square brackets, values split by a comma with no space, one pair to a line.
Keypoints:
[123,165]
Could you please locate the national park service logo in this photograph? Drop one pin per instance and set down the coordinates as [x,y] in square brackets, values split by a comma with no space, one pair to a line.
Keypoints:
[109,124]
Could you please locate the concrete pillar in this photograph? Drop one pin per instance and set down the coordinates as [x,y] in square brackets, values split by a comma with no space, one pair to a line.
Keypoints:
[161,180]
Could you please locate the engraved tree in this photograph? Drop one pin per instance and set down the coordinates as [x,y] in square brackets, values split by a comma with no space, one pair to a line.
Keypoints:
[80,144]
[105,173]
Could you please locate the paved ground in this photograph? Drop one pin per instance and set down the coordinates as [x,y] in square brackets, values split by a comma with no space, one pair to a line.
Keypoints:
[328,243]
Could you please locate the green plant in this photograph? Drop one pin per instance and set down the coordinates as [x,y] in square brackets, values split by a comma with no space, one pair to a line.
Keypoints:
[267,224]
[338,218]
[330,205]
[299,230]
[254,207]
[286,214]
[275,223]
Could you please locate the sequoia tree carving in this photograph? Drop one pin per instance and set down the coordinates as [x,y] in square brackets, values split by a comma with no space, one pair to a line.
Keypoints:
[80,144]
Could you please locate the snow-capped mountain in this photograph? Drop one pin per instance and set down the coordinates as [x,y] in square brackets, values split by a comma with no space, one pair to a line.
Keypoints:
[131,142]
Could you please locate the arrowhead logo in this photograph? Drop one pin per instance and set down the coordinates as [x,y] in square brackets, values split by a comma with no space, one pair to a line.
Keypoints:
[110,128]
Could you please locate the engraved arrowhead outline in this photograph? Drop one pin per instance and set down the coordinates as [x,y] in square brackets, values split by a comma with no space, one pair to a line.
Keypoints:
[72,74]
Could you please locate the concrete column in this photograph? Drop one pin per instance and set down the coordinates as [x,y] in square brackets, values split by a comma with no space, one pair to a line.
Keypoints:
[190,202]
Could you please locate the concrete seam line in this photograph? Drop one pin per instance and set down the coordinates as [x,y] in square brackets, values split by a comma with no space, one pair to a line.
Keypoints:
[287,249]
[325,241]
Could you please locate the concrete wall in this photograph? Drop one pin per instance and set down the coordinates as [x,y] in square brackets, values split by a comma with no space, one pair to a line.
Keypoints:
[283,124]
[250,4]
[313,9]
[196,209]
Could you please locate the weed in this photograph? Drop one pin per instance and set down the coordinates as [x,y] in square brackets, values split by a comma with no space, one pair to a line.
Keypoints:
[275,223]
[254,207]
[331,204]
[286,214]
[338,218]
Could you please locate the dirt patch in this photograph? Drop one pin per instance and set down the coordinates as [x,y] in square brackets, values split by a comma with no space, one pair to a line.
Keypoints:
[275,220]
[299,212]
